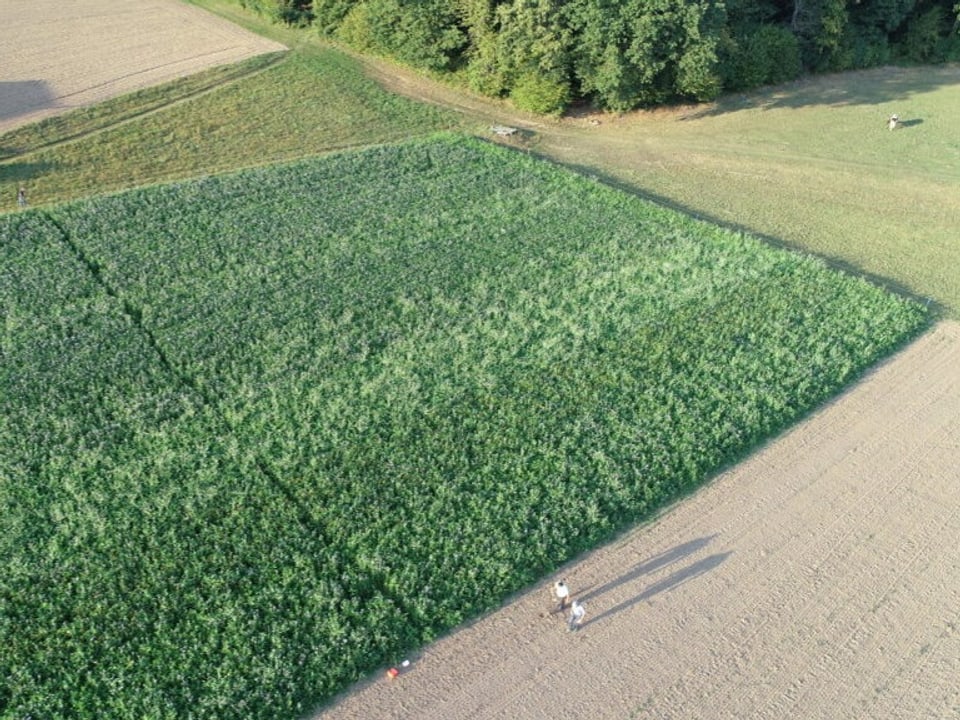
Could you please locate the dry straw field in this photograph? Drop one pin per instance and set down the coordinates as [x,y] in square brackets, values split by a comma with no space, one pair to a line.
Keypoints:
[56,56]
[818,579]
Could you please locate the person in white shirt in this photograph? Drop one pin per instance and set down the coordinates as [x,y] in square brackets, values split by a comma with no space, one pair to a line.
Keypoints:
[562,592]
[577,613]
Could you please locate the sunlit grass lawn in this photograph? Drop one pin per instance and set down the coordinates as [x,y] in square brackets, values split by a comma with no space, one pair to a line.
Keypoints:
[312,101]
[812,165]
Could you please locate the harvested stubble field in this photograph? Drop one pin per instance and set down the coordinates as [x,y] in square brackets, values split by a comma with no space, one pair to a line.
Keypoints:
[60,56]
[820,578]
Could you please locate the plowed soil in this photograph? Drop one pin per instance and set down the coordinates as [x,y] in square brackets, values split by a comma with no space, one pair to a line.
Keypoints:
[58,56]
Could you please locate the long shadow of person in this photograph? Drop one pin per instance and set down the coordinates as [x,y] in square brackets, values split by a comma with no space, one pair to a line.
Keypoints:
[661,560]
[668,583]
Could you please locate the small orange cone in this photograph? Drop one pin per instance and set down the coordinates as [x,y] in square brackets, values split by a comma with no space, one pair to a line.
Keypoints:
[392,673]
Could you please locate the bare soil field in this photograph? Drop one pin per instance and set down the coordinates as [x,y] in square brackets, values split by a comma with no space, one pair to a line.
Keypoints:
[57,56]
[818,579]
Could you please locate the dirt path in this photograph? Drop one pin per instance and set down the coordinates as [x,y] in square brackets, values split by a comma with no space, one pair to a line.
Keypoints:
[818,579]
[49,62]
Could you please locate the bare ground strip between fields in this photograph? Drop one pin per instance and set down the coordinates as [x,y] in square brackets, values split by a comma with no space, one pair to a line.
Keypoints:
[818,579]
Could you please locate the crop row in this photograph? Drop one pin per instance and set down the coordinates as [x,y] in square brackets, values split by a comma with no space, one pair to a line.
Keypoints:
[150,568]
[407,381]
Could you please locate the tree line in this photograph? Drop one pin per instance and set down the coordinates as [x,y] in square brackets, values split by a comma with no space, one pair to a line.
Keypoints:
[623,54]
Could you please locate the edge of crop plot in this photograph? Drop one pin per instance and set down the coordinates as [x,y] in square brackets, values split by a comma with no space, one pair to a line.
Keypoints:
[450,365]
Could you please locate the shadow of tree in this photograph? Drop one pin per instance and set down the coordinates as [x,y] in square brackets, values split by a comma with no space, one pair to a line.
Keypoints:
[875,86]
[670,582]
[19,172]
[19,97]
[13,176]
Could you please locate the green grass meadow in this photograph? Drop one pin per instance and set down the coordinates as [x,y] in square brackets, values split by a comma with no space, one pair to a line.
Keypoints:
[297,375]
[811,166]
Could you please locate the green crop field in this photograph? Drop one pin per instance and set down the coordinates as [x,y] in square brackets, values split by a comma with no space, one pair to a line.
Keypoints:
[262,432]
[809,164]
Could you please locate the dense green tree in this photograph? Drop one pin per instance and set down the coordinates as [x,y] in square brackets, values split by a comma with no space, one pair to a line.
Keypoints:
[930,34]
[883,15]
[622,54]
[698,76]
[289,12]
[759,55]
[672,44]
[522,48]
[644,52]
[820,27]
[483,71]
[600,63]
[422,33]
[328,14]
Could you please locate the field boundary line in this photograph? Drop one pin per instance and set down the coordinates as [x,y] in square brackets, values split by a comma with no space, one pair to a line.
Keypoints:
[309,524]
[273,60]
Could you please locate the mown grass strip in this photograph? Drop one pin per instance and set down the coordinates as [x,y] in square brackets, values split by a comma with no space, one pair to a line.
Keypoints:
[86,121]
